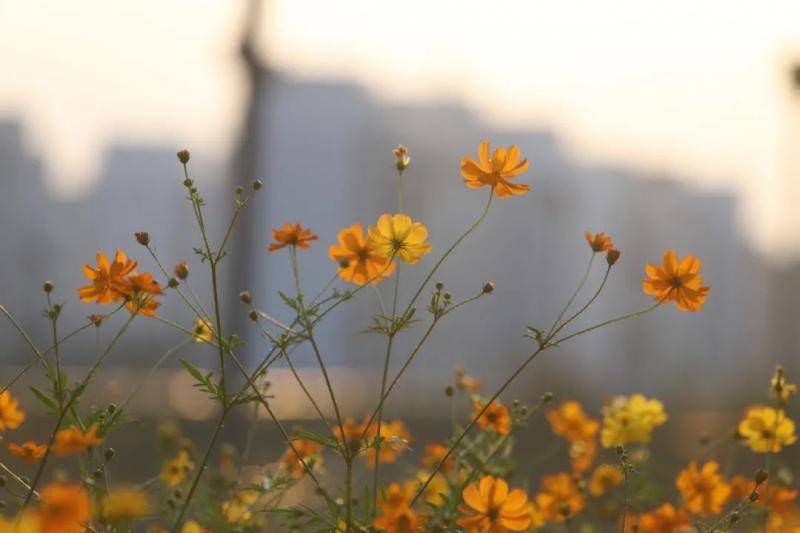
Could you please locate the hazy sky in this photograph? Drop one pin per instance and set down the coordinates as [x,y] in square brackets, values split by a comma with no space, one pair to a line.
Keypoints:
[696,88]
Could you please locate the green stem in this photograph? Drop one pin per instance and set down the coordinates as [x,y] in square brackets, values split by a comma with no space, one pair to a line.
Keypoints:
[585,306]
[574,295]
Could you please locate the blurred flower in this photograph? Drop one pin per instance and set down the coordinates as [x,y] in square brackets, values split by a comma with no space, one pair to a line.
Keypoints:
[465,382]
[570,421]
[704,491]
[495,418]
[434,453]
[193,527]
[108,279]
[581,455]
[351,438]
[123,505]
[357,258]
[604,478]
[495,170]
[396,438]
[665,519]
[631,419]
[75,440]
[599,242]
[490,507]
[399,236]
[142,287]
[779,499]
[64,508]
[24,523]
[765,429]
[202,330]
[676,281]
[11,416]
[780,389]
[291,236]
[310,451]
[559,497]
[401,158]
[237,509]
[30,452]
[741,487]
[174,470]
[396,515]
[436,489]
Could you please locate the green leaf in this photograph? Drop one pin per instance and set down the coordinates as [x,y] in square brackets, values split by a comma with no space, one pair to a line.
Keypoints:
[44,398]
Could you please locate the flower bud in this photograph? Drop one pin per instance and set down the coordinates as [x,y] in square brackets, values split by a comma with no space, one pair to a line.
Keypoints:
[620,449]
[401,158]
[97,320]
[761,476]
[253,316]
[245,297]
[47,287]
[188,183]
[734,517]
[753,496]
[112,407]
[181,270]
[488,288]
[547,397]
[184,156]
[172,283]
[439,285]
[239,190]
[449,391]
[257,184]
[142,237]
[612,256]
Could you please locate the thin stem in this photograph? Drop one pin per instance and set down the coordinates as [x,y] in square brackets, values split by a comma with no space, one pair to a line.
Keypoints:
[608,322]
[27,338]
[348,493]
[400,191]
[574,295]
[585,306]
[16,478]
[626,505]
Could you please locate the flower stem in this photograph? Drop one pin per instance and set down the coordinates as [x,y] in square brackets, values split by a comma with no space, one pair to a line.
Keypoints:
[574,295]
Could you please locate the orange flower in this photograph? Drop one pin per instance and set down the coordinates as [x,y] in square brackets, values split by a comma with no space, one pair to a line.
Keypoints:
[108,279]
[11,416]
[489,507]
[581,455]
[495,170]
[741,487]
[310,451]
[73,440]
[395,441]
[559,497]
[434,453]
[30,452]
[677,281]
[704,491]
[599,242]
[603,478]
[358,260]
[64,508]
[399,236]
[142,288]
[396,513]
[291,236]
[496,417]
[352,434]
[779,499]
[570,421]
[665,519]
[465,382]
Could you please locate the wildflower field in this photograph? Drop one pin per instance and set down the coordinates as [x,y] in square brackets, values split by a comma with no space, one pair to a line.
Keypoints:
[467,479]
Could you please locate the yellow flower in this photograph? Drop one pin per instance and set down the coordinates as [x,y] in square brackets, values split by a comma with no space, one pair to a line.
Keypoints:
[489,507]
[11,416]
[495,170]
[677,281]
[25,523]
[74,440]
[237,509]
[603,478]
[399,236]
[704,491]
[465,382]
[631,419]
[310,451]
[559,497]
[289,235]
[30,452]
[108,279]
[495,417]
[780,389]
[436,489]
[665,519]
[765,429]
[570,421]
[600,242]
[174,470]
[358,259]
[193,527]
[124,504]
[202,330]
[396,438]
[64,508]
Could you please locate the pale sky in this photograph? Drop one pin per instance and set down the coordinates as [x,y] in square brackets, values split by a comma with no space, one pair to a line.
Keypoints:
[693,88]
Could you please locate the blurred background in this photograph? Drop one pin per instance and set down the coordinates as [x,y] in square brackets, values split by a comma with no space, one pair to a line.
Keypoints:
[668,125]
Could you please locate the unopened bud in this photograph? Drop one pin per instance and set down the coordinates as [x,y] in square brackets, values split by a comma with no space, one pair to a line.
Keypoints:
[245,297]
[178,494]
[753,496]
[612,256]
[188,183]
[547,397]
[439,285]
[449,391]
[401,158]
[172,283]
[47,287]
[97,320]
[97,474]
[253,316]
[447,296]
[112,407]
[734,517]
[619,449]
[761,476]
[184,156]
[488,287]
[109,454]
[239,190]
[257,184]
[181,270]
[142,237]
